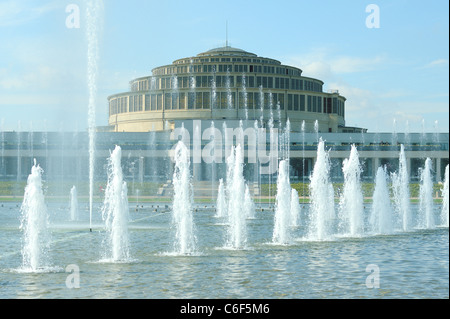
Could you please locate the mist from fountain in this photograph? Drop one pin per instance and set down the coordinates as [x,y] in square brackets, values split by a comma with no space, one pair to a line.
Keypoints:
[261,106]
[436,132]
[182,218]
[249,206]
[245,95]
[445,199]
[407,134]
[316,129]
[34,224]
[423,135]
[73,204]
[295,208]
[270,124]
[321,211]
[394,134]
[426,217]
[153,162]
[351,206]
[115,212]
[221,202]
[228,89]
[381,221]
[303,154]
[214,159]
[400,187]
[213,91]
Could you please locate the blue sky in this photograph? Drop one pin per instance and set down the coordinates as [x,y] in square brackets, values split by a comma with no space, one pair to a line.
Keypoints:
[398,72]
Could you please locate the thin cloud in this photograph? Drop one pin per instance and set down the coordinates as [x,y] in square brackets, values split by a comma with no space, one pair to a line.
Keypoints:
[15,13]
[323,63]
[436,63]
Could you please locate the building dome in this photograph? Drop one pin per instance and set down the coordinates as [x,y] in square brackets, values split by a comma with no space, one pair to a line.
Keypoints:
[226,50]
[226,83]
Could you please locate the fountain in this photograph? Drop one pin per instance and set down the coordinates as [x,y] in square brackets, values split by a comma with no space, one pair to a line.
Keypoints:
[182,219]
[270,124]
[73,204]
[400,186]
[228,88]
[282,218]
[245,95]
[214,91]
[249,206]
[295,208]
[303,156]
[351,207]
[93,14]
[215,157]
[316,129]
[261,106]
[237,229]
[115,212]
[321,212]
[394,135]
[34,224]
[445,199]
[221,202]
[426,217]
[381,213]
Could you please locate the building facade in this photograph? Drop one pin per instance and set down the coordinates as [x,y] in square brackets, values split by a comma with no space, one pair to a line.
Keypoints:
[226,83]
[147,157]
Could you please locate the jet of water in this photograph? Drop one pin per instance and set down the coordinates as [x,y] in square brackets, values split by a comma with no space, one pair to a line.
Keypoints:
[93,9]
[249,206]
[400,187]
[321,212]
[34,223]
[73,203]
[221,200]
[426,219]
[381,214]
[295,208]
[282,218]
[115,211]
[182,218]
[351,208]
[237,230]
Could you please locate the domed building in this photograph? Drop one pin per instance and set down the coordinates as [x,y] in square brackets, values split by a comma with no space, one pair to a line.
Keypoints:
[227,84]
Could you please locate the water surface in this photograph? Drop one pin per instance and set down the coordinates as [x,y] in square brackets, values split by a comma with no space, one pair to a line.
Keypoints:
[411,264]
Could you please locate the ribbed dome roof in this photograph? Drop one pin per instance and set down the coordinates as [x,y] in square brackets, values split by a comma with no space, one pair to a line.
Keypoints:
[227,50]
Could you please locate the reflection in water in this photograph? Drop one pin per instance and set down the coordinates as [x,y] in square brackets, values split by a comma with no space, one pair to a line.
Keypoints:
[235,274]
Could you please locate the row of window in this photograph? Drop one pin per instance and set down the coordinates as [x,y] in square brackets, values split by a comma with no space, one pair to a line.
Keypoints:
[227,100]
[218,81]
[222,68]
[227,59]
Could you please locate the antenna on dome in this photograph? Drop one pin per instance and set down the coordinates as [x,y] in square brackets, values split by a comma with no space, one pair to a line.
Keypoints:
[226,28]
